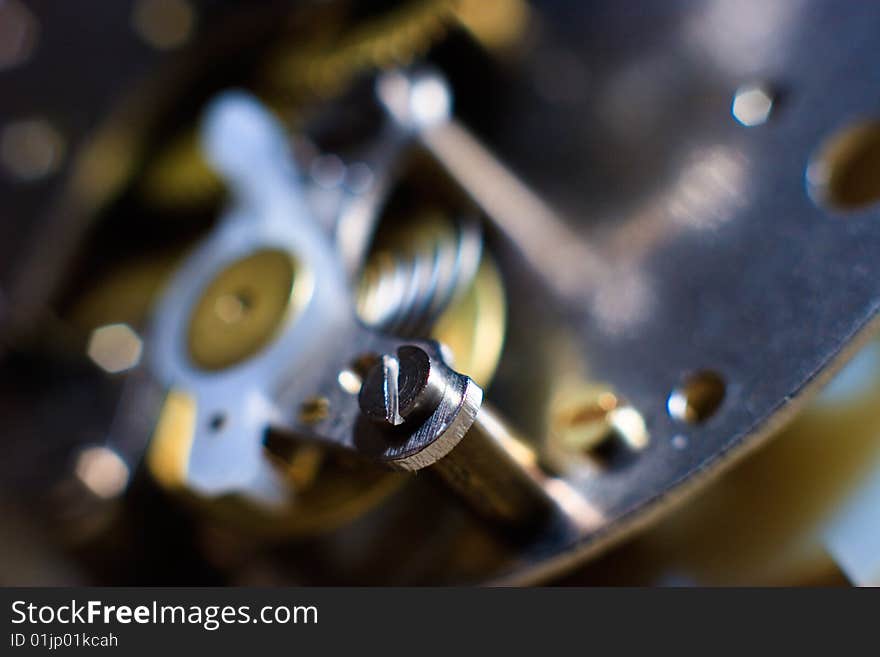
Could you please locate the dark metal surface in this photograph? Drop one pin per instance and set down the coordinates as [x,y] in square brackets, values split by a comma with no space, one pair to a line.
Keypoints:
[712,255]
[433,431]
[401,388]
[715,256]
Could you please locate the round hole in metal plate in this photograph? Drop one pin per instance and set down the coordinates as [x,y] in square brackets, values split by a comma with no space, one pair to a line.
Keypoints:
[844,174]
[217,422]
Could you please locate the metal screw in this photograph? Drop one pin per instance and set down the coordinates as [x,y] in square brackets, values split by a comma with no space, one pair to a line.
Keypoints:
[586,418]
[401,388]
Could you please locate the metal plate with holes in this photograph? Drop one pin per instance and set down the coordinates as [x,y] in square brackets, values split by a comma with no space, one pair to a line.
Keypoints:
[717,257]
[713,257]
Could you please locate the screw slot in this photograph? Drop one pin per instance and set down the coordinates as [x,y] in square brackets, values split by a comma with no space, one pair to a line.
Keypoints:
[402,387]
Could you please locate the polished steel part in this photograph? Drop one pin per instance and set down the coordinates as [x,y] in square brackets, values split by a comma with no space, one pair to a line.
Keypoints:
[412,411]
[499,474]
[432,276]
[282,377]
[495,471]
[605,287]
[401,387]
[712,256]
[575,275]
[268,213]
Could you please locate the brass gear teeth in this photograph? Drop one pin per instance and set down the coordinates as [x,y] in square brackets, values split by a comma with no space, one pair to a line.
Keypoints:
[429,281]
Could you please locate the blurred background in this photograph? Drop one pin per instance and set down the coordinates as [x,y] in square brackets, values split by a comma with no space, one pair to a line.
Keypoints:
[721,156]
